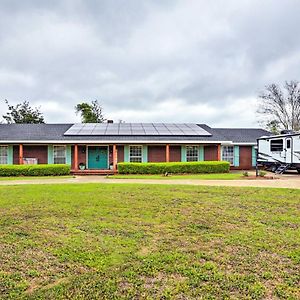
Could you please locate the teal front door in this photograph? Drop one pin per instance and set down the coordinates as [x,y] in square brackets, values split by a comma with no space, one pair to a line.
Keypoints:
[97,157]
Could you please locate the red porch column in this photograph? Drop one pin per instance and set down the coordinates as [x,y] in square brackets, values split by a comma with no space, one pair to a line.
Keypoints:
[115,158]
[167,153]
[21,154]
[219,152]
[76,157]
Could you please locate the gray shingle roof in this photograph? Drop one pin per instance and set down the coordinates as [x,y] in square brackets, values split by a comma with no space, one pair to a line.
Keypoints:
[242,135]
[55,132]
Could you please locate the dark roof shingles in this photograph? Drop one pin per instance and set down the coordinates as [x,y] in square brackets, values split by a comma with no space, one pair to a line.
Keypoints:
[242,135]
[55,132]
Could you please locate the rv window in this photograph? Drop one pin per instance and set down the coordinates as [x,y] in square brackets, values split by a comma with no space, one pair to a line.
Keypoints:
[276,145]
[288,144]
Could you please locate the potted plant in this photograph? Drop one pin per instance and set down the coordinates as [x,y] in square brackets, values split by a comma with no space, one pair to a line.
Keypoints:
[81,166]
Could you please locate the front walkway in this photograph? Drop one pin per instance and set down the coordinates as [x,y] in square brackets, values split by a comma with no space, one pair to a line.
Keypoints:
[285,181]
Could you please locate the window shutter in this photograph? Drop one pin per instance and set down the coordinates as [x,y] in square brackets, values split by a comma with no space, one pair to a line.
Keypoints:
[10,155]
[50,154]
[68,155]
[183,153]
[126,153]
[236,152]
[145,153]
[253,157]
[201,153]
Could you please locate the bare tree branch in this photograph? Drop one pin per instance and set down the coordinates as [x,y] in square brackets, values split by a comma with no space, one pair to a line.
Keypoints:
[281,106]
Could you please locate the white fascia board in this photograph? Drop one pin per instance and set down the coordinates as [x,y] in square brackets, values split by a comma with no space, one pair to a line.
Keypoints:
[237,144]
[245,144]
[114,142]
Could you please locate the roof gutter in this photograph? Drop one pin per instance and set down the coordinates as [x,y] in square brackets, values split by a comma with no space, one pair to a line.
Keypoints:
[105,142]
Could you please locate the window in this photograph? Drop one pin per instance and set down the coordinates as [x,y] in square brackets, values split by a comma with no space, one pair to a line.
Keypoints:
[3,155]
[228,154]
[135,154]
[191,153]
[59,154]
[276,145]
[288,144]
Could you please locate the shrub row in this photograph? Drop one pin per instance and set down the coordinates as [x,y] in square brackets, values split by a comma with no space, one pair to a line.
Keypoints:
[34,170]
[174,167]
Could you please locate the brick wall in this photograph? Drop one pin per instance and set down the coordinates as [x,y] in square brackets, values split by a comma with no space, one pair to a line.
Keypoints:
[245,157]
[211,152]
[156,153]
[15,155]
[37,151]
[175,153]
[81,155]
[120,150]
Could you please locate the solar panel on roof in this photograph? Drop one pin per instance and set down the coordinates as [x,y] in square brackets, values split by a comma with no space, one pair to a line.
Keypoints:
[164,129]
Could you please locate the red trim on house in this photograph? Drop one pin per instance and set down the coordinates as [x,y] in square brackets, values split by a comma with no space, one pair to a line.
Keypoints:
[21,154]
[219,153]
[167,153]
[75,157]
[115,158]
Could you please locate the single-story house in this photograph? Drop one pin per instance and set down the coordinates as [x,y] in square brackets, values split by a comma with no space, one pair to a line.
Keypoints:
[99,147]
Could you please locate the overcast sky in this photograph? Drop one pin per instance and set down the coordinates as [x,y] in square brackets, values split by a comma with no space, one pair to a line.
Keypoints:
[148,61]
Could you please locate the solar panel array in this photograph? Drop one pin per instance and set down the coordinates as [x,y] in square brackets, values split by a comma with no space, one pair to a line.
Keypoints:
[137,129]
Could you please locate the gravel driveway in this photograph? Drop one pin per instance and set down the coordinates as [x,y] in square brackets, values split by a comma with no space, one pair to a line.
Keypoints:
[285,181]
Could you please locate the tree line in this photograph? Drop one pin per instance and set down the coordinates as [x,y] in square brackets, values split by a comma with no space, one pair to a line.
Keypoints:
[278,105]
[24,113]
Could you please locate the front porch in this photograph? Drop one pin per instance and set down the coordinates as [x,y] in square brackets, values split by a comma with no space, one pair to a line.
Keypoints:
[93,172]
[94,159]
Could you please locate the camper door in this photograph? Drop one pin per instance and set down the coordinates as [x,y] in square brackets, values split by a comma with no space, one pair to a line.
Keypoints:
[288,150]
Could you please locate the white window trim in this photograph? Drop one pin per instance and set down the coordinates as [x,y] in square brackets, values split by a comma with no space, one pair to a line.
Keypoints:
[65,157]
[129,158]
[6,156]
[231,146]
[186,153]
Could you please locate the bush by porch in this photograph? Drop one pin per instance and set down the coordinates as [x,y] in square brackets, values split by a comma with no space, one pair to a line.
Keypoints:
[174,167]
[34,170]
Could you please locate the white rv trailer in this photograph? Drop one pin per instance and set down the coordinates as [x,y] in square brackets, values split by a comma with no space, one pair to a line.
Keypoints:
[279,153]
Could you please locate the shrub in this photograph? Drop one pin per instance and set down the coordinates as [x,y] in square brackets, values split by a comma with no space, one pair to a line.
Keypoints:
[262,173]
[245,174]
[174,167]
[34,170]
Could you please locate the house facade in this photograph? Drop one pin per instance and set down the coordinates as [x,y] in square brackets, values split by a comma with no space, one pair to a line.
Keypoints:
[99,148]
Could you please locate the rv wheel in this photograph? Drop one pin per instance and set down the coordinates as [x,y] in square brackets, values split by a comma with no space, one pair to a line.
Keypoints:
[273,168]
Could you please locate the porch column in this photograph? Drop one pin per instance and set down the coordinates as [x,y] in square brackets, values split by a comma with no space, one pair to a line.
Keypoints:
[167,153]
[115,158]
[76,157]
[21,154]
[219,152]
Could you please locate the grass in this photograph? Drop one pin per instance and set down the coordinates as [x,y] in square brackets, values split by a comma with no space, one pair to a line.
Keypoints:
[221,176]
[34,177]
[112,241]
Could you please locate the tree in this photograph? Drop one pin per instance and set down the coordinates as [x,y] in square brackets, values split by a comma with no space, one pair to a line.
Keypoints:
[281,106]
[23,113]
[273,127]
[90,113]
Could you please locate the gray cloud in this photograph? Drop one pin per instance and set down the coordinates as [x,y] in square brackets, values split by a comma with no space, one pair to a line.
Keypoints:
[185,61]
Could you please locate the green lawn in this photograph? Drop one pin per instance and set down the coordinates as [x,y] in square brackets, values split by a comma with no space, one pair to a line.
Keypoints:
[34,177]
[112,241]
[221,176]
